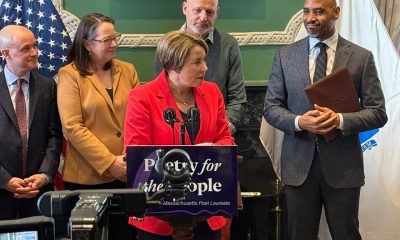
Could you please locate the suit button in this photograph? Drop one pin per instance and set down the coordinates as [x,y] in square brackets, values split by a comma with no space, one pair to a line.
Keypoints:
[118,134]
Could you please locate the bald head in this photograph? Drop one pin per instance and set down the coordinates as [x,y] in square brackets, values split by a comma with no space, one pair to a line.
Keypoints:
[319,17]
[330,3]
[10,33]
[18,47]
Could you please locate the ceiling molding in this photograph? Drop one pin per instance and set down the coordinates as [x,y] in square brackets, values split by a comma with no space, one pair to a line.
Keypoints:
[128,40]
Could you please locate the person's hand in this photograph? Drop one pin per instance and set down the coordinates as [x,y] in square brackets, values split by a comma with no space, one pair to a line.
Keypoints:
[14,183]
[334,118]
[20,188]
[29,194]
[36,181]
[319,121]
[118,169]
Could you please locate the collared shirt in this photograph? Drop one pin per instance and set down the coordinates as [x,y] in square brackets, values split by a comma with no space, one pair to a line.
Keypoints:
[331,44]
[12,84]
[210,36]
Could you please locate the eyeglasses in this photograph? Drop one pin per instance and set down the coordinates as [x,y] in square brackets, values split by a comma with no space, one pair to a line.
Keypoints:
[108,41]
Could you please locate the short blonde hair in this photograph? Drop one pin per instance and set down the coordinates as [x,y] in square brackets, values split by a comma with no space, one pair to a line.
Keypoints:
[174,47]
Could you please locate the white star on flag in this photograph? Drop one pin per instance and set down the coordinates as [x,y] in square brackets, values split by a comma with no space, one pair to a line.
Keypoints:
[18,8]
[51,55]
[40,14]
[52,30]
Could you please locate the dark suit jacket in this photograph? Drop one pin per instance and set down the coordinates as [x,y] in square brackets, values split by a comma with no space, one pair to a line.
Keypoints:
[341,159]
[145,125]
[45,136]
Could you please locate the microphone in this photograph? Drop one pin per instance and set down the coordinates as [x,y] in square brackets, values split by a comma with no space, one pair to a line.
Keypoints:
[193,114]
[169,115]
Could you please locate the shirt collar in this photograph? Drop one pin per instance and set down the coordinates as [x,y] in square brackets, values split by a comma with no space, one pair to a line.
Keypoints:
[11,78]
[210,36]
[330,42]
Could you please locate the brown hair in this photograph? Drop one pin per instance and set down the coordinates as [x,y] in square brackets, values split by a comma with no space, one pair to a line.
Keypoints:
[174,47]
[78,54]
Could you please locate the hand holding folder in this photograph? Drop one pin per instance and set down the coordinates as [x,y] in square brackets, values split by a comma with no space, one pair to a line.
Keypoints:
[335,91]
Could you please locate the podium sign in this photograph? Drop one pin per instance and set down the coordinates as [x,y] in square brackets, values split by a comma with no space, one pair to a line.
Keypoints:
[213,173]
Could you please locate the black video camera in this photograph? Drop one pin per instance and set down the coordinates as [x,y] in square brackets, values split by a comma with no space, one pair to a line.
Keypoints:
[84,214]
[32,228]
[88,214]
[174,165]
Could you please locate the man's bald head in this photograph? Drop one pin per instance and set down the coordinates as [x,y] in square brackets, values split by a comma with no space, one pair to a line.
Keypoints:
[18,47]
[319,17]
[11,32]
[331,3]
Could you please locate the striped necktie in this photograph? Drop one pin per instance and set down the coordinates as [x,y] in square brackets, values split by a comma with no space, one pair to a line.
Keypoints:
[20,111]
[320,63]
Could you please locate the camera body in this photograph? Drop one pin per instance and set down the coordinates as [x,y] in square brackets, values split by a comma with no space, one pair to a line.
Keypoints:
[174,165]
[91,214]
[84,214]
[35,228]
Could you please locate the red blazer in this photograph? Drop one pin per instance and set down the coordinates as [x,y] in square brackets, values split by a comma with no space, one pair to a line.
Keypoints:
[145,125]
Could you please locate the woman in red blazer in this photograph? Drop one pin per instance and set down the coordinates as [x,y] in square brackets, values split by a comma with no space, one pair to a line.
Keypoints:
[179,86]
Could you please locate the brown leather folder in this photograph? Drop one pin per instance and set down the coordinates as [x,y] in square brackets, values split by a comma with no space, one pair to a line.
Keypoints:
[335,91]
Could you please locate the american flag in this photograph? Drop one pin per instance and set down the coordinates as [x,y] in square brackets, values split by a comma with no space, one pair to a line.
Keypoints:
[42,18]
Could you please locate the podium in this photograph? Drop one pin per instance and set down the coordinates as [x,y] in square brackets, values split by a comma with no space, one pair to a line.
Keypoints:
[192,182]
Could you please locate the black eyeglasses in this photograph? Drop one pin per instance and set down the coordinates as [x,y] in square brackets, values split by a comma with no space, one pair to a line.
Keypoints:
[108,41]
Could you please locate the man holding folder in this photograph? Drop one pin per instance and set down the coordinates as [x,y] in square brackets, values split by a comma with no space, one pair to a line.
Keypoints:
[317,172]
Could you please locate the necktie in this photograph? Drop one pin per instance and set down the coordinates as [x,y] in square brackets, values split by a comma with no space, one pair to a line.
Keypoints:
[20,111]
[320,63]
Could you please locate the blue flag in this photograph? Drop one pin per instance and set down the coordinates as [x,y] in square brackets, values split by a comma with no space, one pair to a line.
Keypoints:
[42,18]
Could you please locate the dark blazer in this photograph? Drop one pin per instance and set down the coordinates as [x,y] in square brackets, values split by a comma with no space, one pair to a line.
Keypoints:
[341,160]
[45,135]
[145,125]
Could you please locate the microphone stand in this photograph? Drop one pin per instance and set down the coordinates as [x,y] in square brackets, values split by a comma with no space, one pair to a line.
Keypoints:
[182,132]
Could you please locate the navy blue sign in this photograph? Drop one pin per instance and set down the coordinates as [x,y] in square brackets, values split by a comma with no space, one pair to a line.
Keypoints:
[191,180]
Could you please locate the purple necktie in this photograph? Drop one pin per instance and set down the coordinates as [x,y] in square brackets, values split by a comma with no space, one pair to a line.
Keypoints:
[20,110]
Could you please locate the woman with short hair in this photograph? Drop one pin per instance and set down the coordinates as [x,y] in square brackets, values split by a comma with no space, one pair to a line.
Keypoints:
[179,87]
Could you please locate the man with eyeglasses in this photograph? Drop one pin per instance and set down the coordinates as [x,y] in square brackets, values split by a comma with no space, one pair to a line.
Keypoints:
[30,129]
[223,59]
